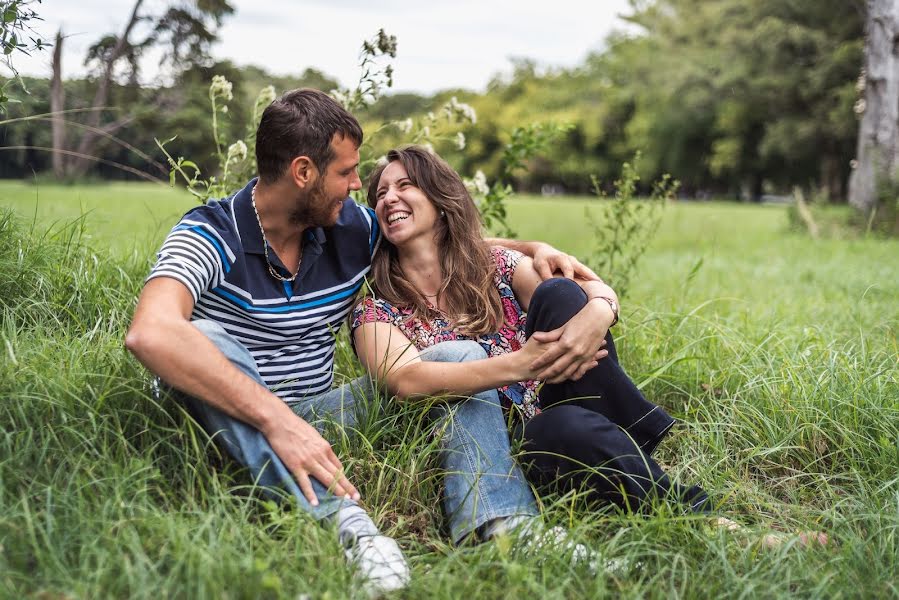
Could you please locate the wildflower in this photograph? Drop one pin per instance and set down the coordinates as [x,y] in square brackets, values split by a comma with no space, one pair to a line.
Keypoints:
[221,88]
[860,106]
[460,141]
[404,126]
[237,152]
[266,96]
[477,186]
[341,96]
[459,111]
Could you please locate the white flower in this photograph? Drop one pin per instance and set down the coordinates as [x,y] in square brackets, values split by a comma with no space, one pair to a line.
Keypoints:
[427,146]
[221,87]
[404,126]
[341,96]
[237,151]
[460,141]
[860,106]
[225,109]
[477,186]
[266,95]
[459,111]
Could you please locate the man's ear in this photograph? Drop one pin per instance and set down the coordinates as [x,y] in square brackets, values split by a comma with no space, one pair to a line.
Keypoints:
[302,171]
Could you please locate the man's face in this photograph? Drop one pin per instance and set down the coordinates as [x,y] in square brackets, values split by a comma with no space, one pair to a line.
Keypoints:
[320,205]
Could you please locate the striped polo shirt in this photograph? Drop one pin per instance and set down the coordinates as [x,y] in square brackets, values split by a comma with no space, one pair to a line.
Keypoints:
[217,251]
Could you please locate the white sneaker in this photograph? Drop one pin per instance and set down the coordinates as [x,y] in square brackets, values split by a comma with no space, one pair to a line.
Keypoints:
[535,540]
[379,563]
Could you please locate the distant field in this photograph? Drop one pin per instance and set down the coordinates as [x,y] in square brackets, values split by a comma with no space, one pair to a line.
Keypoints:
[119,215]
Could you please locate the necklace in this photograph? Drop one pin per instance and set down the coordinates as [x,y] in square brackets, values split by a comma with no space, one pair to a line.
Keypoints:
[268,262]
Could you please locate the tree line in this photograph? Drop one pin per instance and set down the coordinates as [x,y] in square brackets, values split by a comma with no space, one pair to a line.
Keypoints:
[736,99]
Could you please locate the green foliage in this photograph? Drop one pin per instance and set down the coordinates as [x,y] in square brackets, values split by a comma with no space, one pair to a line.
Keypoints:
[17,35]
[440,128]
[627,228]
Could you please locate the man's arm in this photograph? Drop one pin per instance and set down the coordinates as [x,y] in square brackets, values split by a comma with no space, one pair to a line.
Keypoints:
[547,260]
[162,338]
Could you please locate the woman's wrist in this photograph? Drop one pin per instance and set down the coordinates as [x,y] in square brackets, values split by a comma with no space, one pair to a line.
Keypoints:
[609,307]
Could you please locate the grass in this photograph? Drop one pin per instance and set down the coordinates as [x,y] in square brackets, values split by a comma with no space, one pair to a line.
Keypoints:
[778,353]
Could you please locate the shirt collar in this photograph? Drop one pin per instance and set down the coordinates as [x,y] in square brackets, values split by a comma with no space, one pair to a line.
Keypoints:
[248,223]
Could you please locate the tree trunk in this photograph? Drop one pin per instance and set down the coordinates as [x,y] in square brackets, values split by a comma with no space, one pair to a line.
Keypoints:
[57,105]
[878,133]
[89,138]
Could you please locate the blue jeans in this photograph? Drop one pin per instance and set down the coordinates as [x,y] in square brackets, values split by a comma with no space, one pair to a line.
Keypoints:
[482,481]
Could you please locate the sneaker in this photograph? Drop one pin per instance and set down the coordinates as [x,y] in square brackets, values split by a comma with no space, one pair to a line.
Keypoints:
[379,563]
[535,540]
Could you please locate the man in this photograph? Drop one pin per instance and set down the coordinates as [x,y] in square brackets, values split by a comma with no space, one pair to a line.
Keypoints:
[239,315]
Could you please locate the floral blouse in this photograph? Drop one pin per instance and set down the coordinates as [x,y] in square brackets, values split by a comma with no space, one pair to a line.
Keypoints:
[520,397]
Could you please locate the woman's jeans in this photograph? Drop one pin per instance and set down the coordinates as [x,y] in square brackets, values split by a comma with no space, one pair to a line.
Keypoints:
[596,434]
[482,481]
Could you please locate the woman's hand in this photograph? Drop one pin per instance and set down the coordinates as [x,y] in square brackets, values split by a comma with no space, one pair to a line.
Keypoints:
[572,350]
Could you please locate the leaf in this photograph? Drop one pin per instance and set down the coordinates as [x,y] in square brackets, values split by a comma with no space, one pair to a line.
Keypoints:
[11,13]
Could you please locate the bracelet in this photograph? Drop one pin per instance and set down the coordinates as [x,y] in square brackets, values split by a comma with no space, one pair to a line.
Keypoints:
[612,304]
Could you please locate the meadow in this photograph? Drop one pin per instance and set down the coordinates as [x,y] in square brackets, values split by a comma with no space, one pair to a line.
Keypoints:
[777,352]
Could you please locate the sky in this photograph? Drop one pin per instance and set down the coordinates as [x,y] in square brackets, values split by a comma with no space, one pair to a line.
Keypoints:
[441,43]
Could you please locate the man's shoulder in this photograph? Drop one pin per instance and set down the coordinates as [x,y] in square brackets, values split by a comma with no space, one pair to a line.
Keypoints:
[356,226]
[355,216]
[215,213]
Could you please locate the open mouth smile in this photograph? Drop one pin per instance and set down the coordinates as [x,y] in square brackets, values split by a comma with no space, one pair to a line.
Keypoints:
[398,216]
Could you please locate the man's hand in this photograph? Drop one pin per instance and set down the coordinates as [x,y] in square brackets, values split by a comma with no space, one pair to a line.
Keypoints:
[573,348]
[548,261]
[307,454]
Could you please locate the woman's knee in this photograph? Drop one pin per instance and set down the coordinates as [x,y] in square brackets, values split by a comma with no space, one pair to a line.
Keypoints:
[553,303]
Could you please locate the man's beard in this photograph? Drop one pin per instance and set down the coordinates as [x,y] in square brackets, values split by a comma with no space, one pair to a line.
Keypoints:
[314,208]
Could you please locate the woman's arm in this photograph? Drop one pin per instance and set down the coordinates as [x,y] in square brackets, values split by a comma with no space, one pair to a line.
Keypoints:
[393,360]
[574,346]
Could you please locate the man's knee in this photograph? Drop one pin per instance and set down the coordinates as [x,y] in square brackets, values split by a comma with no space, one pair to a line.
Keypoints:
[454,351]
[233,350]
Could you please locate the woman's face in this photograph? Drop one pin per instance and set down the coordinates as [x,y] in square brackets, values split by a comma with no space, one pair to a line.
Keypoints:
[404,212]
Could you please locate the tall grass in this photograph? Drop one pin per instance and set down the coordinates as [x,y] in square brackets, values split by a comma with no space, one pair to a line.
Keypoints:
[790,411]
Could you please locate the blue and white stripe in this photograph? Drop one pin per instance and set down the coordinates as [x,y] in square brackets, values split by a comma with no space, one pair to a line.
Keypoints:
[288,331]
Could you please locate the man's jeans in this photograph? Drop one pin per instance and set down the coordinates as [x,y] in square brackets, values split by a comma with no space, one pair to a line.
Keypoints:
[481,479]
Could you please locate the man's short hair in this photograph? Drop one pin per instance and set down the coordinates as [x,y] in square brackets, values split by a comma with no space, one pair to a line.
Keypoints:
[301,123]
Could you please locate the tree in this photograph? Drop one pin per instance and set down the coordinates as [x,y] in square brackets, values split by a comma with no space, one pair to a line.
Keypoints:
[17,36]
[741,94]
[878,133]
[182,29]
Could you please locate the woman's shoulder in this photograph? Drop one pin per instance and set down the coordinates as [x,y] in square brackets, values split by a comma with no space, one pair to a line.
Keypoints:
[374,310]
[506,260]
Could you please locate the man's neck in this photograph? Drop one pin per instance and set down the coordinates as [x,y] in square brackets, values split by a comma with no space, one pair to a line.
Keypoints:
[274,204]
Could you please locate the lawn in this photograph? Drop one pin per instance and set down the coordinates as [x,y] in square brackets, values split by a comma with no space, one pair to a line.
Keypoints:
[777,352]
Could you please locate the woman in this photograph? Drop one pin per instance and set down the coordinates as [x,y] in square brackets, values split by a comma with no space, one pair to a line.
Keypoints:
[435,279]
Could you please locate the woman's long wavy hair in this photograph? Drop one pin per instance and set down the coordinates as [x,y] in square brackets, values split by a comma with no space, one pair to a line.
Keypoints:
[468,288]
